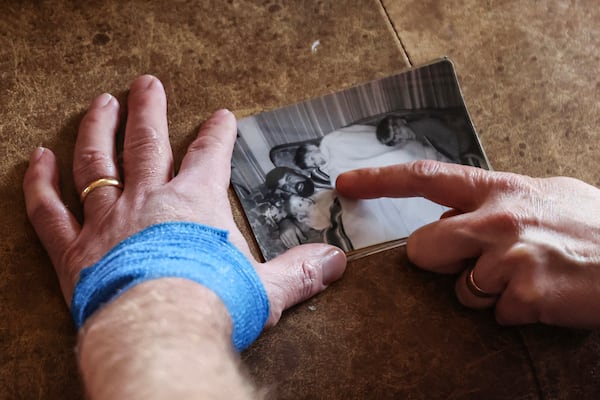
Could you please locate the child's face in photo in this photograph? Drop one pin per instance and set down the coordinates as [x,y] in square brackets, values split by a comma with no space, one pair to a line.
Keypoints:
[299,205]
[276,214]
[399,132]
[314,158]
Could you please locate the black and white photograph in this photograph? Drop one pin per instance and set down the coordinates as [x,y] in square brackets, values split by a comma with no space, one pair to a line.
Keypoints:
[286,161]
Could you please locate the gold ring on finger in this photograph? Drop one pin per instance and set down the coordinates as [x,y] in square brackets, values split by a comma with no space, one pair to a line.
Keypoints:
[474,287]
[101,182]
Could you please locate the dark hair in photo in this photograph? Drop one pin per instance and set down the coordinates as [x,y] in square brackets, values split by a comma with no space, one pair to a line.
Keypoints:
[300,156]
[274,175]
[384,131]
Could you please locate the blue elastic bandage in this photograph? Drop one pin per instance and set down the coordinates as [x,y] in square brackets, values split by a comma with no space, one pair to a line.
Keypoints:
[178,250]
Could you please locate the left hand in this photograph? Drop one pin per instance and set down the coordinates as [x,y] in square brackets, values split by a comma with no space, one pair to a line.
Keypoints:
[151,195]
[536,241]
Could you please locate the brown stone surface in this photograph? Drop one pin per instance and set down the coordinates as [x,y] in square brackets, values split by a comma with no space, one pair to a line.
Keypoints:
[529,74]
[385,330]
[390,332]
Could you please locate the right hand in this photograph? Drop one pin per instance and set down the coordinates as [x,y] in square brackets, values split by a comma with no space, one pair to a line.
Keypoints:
[536,241]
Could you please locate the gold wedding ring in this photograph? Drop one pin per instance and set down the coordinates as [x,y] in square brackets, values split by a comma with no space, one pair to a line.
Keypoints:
[101,182]
[474,288]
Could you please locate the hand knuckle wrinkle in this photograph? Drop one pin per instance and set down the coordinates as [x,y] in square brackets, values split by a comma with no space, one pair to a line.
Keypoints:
[309,275]
[92,160]
[510,183]
[425,169]
[143,139]
[508,222]
[94,156]
[144,133]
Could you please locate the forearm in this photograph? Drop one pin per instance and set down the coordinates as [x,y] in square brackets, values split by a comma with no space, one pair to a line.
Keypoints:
[165,338]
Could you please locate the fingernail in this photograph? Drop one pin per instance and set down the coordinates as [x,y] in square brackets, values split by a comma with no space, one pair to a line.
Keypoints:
[102,100]
[145,81]
[220,113]
[36,154]
[334,264]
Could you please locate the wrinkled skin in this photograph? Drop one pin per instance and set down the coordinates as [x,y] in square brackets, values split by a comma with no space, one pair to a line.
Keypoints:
[151,194]
[535,242]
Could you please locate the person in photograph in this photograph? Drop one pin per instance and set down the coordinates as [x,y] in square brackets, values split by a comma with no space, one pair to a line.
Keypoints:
[359,146]
[323,223]
[436,138]
[288,181]
[265,218]
[309,157]
[311,211]
[283,182]
[376,221]
[320,213]
[269,214]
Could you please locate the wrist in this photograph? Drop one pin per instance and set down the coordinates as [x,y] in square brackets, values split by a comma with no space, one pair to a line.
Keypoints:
[200,253]
[154,339]
[156,301]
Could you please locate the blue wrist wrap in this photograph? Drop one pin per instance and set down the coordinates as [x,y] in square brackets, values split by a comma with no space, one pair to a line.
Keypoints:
[187,250]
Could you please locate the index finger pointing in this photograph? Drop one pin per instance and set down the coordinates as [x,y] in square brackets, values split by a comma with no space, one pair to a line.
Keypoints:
[452,185]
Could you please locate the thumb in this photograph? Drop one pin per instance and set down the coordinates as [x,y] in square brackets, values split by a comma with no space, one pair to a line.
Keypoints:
[298,274]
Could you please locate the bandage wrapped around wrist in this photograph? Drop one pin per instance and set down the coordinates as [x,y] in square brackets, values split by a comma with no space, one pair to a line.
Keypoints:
[186,250]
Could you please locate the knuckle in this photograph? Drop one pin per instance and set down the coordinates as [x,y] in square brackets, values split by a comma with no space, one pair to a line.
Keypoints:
[143,135]
[507,222]
[528,293]
[92,160]
[524,258]
[424,170]
[511,183]
[310,275]
[143,140]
